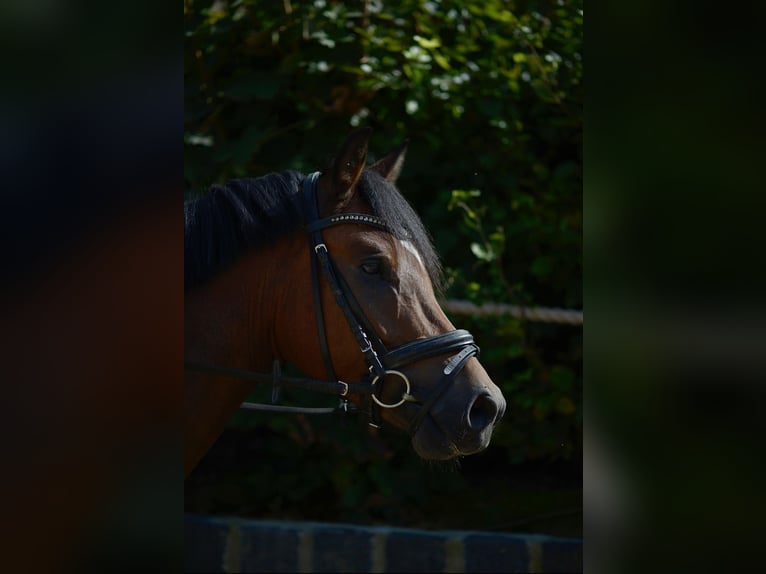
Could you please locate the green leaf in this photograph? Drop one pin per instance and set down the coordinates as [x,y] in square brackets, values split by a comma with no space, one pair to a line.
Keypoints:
[484,253]
[497,237]
[459,196]
[426,43]
[441,60]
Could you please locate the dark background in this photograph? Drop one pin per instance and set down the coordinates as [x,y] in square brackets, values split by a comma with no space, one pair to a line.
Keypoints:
[673,180]
[490,97]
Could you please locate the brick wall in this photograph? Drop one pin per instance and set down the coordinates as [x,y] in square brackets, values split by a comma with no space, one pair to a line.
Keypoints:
[220,544]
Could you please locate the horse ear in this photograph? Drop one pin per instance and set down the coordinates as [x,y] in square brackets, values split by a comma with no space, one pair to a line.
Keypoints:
[349,163]
[391,165]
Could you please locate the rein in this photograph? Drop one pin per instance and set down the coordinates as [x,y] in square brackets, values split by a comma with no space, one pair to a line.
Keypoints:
[381,361]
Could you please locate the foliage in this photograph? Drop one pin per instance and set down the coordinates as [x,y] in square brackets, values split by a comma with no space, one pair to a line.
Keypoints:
[490,96]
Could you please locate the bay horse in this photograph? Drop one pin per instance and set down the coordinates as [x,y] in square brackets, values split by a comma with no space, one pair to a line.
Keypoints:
[332,272]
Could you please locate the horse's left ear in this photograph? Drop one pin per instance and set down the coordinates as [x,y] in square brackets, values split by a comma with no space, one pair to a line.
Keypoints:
[391,165]
[348,165]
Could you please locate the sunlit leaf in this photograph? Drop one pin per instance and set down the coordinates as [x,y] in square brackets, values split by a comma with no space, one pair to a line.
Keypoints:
[426,42]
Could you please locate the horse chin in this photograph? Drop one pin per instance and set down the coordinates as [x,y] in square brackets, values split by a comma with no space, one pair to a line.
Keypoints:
[431,443]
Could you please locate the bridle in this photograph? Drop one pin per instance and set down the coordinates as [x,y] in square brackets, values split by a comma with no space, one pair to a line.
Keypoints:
[381,361]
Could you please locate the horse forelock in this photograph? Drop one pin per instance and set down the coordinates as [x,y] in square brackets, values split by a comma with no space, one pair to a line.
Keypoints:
[387,202]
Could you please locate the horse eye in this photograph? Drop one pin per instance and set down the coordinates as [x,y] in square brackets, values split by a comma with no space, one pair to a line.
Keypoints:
[372,267]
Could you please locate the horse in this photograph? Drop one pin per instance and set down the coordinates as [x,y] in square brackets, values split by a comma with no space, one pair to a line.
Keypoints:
[334,273]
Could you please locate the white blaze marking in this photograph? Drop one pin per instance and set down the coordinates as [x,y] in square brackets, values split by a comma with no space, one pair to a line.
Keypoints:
[411,248]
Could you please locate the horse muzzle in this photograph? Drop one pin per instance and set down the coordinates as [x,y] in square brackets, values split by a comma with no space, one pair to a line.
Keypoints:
[462,421]
[453,416]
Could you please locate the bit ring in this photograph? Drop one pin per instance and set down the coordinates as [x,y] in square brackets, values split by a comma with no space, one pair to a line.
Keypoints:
[405,395]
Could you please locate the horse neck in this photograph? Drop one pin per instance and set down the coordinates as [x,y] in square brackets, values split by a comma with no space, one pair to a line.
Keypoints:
[218,324]
[229,322]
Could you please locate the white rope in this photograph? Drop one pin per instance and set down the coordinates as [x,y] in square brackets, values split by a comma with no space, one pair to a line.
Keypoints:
[537,314]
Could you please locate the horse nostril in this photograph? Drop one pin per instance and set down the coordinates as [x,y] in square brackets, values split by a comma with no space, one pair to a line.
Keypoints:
[482,413]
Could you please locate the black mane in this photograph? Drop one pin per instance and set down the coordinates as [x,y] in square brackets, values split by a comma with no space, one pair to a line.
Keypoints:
[252,213]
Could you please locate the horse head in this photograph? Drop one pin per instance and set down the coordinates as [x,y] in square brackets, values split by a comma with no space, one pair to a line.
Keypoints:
[430,382]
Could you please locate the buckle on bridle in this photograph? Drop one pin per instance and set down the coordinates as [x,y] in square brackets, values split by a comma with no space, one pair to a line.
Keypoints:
[318,246]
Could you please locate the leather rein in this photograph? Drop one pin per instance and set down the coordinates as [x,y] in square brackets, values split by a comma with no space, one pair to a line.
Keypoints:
[381,361]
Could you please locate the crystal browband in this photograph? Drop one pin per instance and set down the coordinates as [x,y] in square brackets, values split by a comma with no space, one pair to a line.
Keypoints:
[363,218]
